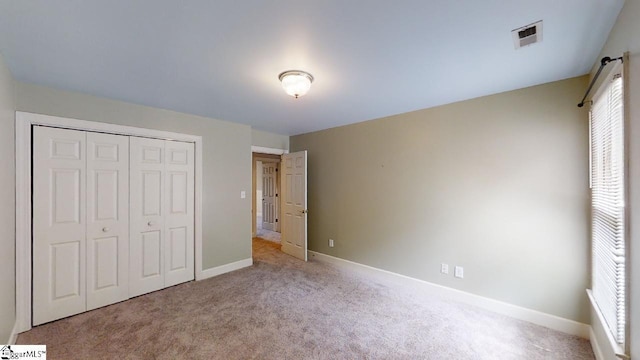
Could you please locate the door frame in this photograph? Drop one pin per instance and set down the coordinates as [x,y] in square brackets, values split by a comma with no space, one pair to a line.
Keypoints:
[256,151]
[23,124]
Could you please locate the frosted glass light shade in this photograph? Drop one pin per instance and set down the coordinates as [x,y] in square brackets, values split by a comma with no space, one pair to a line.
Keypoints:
[295,82]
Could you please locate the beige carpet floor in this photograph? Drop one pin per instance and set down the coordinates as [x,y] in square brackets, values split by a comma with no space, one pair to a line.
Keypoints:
[264,233]
[268,235]
[282,308]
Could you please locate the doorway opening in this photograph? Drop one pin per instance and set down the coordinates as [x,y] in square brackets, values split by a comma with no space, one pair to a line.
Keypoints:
[266,195]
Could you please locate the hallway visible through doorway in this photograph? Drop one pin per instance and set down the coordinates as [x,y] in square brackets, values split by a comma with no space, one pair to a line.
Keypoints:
[264,233]
[267,201]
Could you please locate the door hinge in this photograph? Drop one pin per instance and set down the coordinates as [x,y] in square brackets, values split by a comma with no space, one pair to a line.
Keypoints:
[276,220]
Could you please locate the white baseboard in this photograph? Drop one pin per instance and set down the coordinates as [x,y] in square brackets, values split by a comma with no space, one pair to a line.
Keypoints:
[222,269]
[14,334]
[537,317]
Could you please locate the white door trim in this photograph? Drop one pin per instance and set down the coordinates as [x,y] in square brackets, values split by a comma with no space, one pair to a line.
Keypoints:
[24,122]
[267,150]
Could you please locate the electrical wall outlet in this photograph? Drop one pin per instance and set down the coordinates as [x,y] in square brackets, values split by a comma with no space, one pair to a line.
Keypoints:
[459,272]
[243,194]
[330,242]
[444,268]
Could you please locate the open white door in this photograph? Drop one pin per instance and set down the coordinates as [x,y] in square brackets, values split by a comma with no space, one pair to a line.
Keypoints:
[294,204]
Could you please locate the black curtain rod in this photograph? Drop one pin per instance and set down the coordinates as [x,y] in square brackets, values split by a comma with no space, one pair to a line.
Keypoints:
[605,60]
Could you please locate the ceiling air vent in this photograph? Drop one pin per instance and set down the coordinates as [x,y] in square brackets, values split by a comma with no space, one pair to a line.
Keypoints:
[527,35]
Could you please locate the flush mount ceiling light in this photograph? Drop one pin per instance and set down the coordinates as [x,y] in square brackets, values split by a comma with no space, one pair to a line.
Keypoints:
[296,82]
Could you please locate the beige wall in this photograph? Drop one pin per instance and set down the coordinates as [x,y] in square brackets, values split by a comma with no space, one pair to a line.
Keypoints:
[7,203]
[625,37]
[226,160]
[498,185]
[269,140]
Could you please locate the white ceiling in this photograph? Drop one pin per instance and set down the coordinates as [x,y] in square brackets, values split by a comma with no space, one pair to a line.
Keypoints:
[370,58]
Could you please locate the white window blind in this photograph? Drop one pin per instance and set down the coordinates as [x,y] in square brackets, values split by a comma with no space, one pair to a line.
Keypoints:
[607,205]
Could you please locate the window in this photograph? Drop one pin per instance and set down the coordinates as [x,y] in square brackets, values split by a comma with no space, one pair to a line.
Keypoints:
[608,204]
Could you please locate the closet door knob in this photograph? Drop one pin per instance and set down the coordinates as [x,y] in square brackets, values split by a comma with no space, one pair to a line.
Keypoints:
[150,223]
[105,229]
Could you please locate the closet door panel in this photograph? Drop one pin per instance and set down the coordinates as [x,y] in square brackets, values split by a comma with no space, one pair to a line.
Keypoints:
[147,186]
[179,217]
[107,219]
[59,223]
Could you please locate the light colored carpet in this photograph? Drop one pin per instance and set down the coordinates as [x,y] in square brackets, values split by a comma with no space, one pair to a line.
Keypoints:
[266,234]
[282,308]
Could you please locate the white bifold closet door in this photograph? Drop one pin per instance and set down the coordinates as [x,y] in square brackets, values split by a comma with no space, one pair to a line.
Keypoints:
[179,216]
[80,221]
[107,219]
[162,214]
[113,218]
